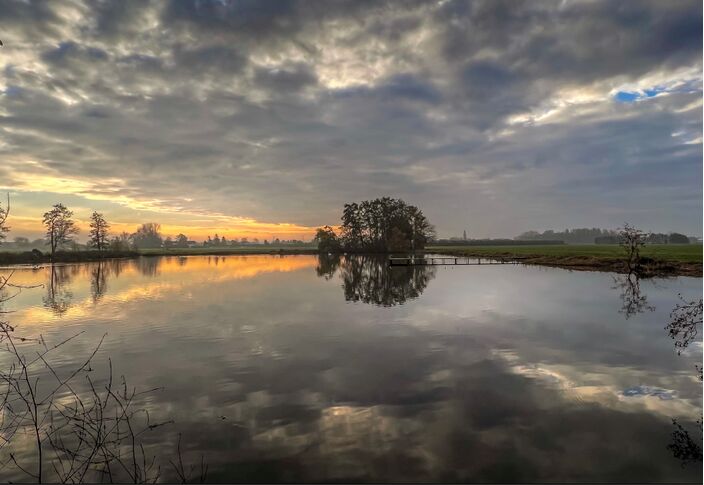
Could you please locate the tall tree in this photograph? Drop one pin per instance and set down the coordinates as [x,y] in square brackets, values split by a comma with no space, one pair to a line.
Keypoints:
[59,227]
[147,236]
[98,231]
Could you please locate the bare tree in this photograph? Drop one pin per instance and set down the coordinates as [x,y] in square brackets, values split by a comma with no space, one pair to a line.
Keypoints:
[98,231]
[632,240]
[684,320]
[59,227]
[4,213]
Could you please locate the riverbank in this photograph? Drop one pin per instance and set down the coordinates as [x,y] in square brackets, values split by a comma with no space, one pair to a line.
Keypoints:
[37,257]
[660,260]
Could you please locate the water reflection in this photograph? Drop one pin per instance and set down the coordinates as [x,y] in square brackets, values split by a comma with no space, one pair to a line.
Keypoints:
[634,301]
[685,318]
[149,265]
[271,376]
[327,265]
[683,446]
[369,278]
[98,281]
[58,296]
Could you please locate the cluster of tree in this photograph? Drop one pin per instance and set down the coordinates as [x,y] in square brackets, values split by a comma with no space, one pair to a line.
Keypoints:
[650,238]
[378,226]
[570,236]
[180,241]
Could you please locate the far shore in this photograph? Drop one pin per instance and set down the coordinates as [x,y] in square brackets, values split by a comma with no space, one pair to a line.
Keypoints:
[657,260]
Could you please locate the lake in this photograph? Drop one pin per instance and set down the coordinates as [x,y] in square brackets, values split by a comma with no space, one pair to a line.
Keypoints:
[300,368]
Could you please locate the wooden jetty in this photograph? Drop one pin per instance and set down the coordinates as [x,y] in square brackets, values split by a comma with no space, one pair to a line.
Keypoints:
[448,261]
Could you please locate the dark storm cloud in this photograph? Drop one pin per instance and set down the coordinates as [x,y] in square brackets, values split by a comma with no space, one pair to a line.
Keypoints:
[284,110]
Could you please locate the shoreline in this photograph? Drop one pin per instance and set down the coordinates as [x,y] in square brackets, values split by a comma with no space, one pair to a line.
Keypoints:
[652,266]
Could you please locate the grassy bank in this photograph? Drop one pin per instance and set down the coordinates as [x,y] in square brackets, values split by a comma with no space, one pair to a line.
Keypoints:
[37,257]
[685,259]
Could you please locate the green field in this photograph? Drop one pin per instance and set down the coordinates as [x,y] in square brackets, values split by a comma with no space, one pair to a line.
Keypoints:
[685,253]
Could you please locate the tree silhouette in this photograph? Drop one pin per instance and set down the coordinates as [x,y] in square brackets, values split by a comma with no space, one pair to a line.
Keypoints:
[98,231]
[632,240]
[369,279]
[59,227]
[327,240]
[4,213]
[384,225]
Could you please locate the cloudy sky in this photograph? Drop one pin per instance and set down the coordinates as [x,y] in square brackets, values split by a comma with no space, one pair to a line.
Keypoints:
[262,118]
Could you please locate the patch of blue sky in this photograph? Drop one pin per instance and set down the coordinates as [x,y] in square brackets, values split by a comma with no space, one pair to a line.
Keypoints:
[638,95]
[626,96]
[639,391]
[12,91]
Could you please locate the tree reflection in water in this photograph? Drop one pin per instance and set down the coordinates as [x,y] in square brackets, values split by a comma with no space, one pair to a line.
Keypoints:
[98,280]
[369,279]
[327,265]
[683,329]
[58,297]
[149,265]
[683,447]
[633,300]
[684,320]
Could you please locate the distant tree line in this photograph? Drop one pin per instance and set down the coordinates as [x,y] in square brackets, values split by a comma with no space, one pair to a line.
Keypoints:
[378,226]
[598,236]
[570,236]
[650,238]
[493,242]
[60,231]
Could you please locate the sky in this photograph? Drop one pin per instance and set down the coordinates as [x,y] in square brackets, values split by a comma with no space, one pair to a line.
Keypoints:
[258,118]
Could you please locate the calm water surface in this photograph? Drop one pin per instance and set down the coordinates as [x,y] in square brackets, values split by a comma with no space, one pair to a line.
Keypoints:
[297,368]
